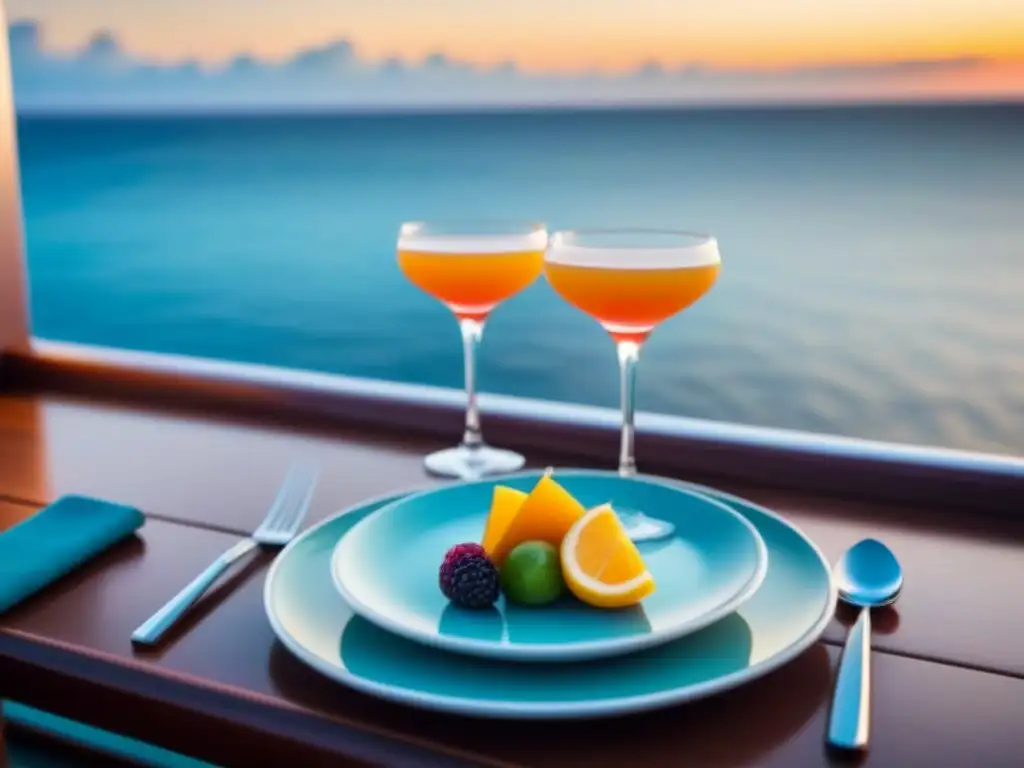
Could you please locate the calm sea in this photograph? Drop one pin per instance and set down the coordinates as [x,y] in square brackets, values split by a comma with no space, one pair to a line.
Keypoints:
[873,259]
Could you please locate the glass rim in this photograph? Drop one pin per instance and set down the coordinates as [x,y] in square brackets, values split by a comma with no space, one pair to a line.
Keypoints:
[625,247]
[468,236]
[568,236]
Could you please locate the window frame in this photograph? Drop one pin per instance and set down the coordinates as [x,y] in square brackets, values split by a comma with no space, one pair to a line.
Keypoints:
[682,446]
[14,308]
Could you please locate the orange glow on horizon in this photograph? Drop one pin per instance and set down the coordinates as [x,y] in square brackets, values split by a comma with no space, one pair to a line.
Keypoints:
[612,37]
[623,55]
[617,45]
[624,49]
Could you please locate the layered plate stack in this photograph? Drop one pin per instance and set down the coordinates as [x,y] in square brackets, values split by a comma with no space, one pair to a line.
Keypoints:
[739,593]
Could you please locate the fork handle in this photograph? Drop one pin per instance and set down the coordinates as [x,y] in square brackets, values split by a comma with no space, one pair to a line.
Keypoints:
[850,719]
[150,631]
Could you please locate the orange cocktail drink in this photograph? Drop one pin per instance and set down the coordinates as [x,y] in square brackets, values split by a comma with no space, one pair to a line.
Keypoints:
[630,302]
[471,267]
[630,281]
[471,284]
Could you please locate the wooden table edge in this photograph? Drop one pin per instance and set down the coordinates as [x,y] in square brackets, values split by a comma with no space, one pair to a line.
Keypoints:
[93,687]
[73,681]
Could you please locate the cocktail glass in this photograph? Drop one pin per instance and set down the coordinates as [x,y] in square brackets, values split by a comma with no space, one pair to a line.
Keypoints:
[471,267]
[630,280]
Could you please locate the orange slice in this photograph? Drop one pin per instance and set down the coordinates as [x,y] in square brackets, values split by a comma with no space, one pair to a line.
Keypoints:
[505,504]
[601,565]
[546,514]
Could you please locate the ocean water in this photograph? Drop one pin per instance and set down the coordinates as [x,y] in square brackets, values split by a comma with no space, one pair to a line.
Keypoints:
[873,258]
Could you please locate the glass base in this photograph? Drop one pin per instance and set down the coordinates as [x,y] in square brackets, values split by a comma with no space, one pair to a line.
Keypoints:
[473,463]
[639,527]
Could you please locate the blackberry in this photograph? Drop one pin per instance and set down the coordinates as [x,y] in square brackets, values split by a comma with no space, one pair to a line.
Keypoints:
[468,577]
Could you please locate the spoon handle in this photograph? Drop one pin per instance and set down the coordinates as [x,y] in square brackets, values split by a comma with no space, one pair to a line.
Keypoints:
[851,703]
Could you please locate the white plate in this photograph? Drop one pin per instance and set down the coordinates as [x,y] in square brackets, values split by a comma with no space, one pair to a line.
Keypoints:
[784,618]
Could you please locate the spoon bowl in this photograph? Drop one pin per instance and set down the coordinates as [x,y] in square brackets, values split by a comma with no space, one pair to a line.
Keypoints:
[868,575]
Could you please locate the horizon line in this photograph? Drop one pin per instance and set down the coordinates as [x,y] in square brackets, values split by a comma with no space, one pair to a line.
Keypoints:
[398,110]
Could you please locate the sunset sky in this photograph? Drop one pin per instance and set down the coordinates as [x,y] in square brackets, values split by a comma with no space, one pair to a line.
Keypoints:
[562,37]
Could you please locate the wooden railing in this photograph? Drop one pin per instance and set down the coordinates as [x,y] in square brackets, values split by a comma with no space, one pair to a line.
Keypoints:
[679,446]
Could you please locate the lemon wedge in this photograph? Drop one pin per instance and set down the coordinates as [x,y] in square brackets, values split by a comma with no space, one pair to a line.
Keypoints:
[601,565]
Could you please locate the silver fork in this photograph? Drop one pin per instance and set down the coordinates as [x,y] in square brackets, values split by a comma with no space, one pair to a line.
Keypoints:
[277,529]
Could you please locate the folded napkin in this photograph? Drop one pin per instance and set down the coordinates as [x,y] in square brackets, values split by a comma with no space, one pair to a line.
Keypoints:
[55,540]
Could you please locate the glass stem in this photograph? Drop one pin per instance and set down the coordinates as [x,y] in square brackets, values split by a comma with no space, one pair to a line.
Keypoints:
[629,356]
[472,332]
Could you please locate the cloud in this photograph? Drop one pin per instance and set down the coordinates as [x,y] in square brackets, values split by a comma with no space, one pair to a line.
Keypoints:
[897,68]
[336,57]
[102,76]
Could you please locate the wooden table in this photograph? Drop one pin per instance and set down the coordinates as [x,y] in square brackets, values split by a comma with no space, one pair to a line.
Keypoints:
[948,667]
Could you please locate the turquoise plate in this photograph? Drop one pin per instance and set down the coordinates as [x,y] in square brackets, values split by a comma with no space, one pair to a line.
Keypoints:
[783,619]
[386,568]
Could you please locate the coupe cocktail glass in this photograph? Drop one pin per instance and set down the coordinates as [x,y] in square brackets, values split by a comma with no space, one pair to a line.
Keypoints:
[630,280]
[471,267]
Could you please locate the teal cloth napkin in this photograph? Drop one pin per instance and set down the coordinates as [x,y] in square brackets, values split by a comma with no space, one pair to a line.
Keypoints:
[55,540]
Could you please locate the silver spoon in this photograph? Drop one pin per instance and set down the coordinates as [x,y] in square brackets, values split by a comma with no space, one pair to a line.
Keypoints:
[867,576]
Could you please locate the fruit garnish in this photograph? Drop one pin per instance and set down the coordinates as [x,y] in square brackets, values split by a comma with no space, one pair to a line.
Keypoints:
[505,503]
[601,565]
[547,514]
[468,577]
[532,574]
